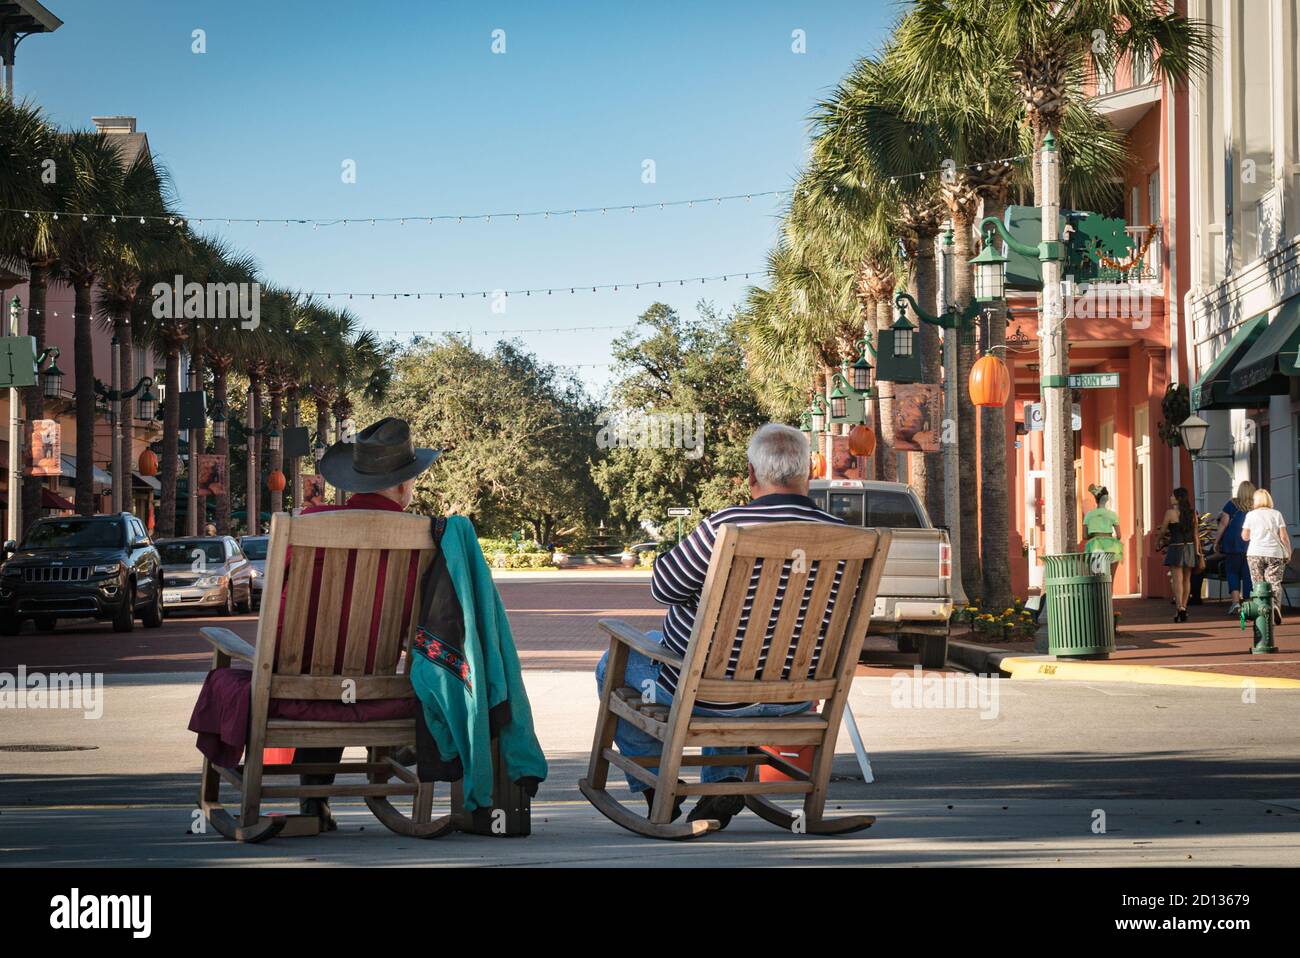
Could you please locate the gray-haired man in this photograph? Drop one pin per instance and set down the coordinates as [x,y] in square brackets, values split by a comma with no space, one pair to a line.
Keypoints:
[778,488]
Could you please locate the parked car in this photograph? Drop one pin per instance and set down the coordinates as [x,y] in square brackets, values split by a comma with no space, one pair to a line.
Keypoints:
[206,573]
[255,549]
[914,600]
[75,567]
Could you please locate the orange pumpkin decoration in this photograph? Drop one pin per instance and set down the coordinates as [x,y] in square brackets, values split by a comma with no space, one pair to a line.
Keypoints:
[275,481]
[816,466]
[148,463]
[990,382]
[862,440]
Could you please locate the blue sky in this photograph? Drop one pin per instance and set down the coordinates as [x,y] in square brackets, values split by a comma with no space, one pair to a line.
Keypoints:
[261,124]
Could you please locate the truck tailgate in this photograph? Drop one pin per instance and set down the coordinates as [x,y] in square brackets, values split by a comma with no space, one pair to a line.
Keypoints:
[912,587]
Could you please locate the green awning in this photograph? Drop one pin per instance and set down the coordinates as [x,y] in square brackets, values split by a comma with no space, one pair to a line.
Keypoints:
[1271,362]
[1212,390]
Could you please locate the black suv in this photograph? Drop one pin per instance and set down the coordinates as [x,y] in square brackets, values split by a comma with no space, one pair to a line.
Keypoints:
[76,567]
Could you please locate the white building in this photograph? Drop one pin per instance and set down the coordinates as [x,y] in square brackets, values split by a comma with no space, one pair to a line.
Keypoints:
[1243,308]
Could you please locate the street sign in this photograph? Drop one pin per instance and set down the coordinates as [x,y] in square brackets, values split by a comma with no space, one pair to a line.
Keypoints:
[1034,416]
[17,361]
[1094,380]
[676,511]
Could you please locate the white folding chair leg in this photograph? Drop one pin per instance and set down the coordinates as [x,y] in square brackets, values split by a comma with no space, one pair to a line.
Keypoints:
[864,760]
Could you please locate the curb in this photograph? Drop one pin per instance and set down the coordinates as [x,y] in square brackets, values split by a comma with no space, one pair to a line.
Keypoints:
[981,658]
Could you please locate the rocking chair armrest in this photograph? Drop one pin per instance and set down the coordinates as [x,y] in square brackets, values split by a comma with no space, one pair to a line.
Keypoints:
[226,641]
[638,640]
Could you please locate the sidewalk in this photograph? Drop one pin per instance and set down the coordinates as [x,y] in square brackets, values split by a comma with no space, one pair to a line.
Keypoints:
[1209,649]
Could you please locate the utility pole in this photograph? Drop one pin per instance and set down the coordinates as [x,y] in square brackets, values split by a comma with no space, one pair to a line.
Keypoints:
[1058,437]
[192,513]
[115,416]
[951,491]
[251,512]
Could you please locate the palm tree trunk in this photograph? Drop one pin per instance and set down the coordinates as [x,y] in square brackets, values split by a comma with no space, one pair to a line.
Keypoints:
[253,490]
[889,456]
[126,379]
[221,444]
[166,522]
[34,396]
[277,455]
[293,416]
[84,363]
[927,468]
[994,500]
[967,440]
[198,445]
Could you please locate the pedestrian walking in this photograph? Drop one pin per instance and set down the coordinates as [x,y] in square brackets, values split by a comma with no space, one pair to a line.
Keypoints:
[1229,544]
[1268,546]
[1182,548]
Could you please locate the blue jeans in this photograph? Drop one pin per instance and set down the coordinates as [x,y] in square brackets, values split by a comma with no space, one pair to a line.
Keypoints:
[643,674]
[1236,572]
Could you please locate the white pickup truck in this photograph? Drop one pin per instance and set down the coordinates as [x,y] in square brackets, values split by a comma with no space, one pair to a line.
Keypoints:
[914,601]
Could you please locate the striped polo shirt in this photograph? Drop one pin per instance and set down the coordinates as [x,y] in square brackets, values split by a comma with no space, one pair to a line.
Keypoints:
[679,579]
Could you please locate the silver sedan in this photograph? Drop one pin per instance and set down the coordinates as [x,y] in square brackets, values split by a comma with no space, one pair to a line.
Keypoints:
[206,574]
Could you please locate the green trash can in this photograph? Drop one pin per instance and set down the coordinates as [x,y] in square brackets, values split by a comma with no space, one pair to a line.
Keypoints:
[1080,615]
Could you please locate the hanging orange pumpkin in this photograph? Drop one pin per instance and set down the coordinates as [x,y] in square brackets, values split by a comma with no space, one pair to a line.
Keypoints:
[990,382]
[148,463]
[816,466]
[275,481]
[862,440]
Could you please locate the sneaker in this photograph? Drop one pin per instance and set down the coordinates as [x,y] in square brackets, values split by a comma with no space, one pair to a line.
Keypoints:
[1234,610]
[319,808]
[649,794]
[720,807]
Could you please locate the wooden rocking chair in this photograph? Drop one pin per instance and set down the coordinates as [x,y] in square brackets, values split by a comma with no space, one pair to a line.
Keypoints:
[749,560]
[403,546]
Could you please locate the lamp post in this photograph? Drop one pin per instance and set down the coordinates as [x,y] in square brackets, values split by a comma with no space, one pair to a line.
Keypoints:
[1193,431]
[114,396]
[254,432]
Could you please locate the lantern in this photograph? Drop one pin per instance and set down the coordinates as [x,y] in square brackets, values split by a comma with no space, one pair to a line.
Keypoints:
[816,465]
[146,404]
[53,381]
[817,414]
[275,481]
[862,440]
[273,439]
[990,382]
[839,404]
[805,423]
[1192,431]
[148,463]
[218,425]
[902,335]
[862,373]
[990,273]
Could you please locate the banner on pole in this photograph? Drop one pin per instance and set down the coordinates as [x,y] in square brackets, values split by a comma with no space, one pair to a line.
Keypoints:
[46,442]
[918,411]
[211,472]
[313,490]
[845,465]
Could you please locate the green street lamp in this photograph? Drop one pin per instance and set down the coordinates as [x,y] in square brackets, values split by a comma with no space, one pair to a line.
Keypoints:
[840,398]
[218,423]
[817,413]
[146,404]
[902,334]
[805,423]
[990,272]
[862,369]
[52,378]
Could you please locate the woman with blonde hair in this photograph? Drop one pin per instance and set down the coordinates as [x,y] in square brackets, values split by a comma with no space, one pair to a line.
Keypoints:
[1229,543]
[1268,546]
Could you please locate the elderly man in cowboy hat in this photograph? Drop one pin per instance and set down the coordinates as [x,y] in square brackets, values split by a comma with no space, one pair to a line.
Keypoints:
[379,468]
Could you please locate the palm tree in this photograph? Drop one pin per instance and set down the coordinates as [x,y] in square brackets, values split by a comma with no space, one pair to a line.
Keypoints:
[84,235]
[28,243]
[138,245]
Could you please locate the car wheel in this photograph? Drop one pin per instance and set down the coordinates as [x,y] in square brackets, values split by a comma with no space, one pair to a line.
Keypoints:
[153,616]
[229,607]
[247,605]
[124,617]
[46,623]
[934,651]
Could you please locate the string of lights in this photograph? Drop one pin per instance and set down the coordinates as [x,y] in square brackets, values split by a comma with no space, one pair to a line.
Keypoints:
[540,290]
[179,220]
[316,222]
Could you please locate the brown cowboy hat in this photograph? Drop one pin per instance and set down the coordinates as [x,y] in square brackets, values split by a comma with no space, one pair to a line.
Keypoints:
[382,456]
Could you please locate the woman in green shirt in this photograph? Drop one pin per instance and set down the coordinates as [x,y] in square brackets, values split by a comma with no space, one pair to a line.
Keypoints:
[1101,526]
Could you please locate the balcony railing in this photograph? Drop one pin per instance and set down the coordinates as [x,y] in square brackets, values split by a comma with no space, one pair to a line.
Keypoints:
[1142,264]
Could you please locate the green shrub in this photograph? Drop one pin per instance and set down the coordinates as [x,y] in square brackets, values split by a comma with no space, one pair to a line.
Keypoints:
[519,560]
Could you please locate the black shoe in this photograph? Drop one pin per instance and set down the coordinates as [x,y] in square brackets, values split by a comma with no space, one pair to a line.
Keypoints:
[319,808]
[721,807]
[649,794]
